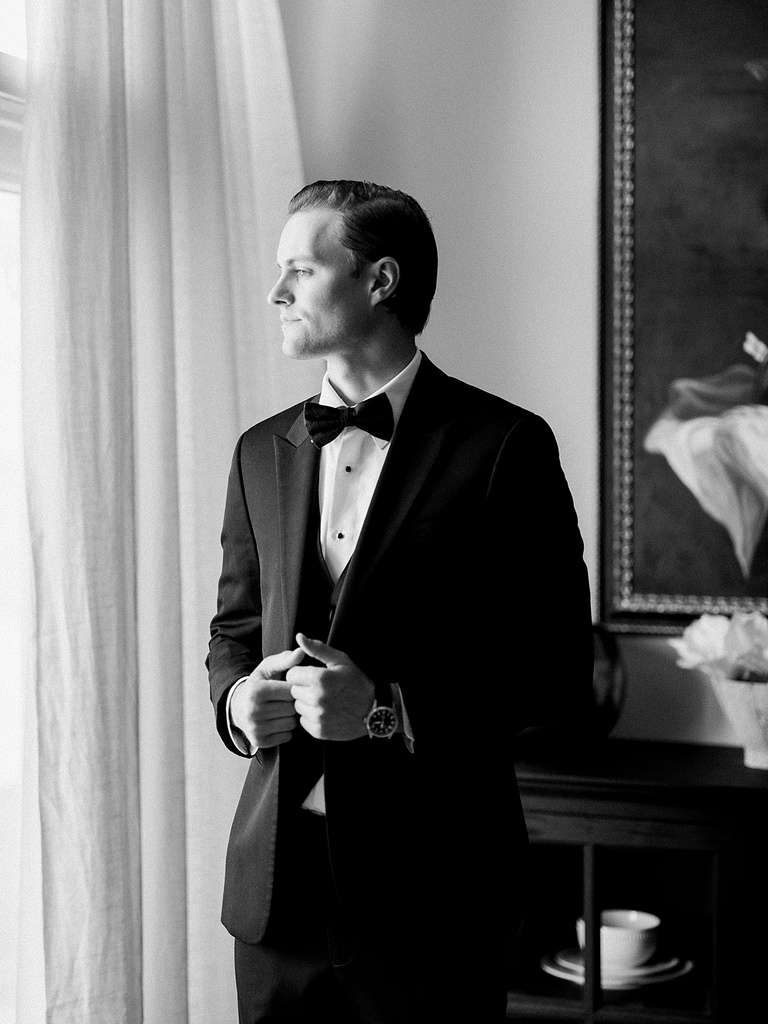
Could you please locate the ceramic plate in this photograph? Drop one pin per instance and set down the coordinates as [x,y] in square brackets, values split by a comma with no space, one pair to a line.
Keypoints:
[574,959]
[567,964]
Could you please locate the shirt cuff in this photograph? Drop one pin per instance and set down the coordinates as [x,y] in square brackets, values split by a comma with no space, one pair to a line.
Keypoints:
[238,737]
[402,714]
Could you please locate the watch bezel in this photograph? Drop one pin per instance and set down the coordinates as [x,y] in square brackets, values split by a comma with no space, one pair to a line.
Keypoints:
[373,722]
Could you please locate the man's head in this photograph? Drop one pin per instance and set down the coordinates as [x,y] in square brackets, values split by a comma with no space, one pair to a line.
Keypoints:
[378,222]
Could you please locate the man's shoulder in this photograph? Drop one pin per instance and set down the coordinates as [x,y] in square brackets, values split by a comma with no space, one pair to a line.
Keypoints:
[478,397]
[475,402]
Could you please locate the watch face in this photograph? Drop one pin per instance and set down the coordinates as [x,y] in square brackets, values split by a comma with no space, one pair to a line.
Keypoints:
[382,722]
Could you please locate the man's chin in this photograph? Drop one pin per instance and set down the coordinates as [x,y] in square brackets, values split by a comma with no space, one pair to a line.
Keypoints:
[294,351]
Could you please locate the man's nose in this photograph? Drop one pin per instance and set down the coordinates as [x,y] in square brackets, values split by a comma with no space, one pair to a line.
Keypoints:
[279,295]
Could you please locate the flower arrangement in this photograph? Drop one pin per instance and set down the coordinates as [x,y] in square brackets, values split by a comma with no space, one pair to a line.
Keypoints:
[723,648]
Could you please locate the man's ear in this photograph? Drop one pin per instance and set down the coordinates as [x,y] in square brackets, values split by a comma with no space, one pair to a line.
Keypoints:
[385,277]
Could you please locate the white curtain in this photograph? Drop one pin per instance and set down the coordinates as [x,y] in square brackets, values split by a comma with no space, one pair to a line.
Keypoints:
[160,152]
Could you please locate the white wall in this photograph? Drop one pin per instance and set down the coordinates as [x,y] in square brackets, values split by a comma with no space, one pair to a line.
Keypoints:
[488,113]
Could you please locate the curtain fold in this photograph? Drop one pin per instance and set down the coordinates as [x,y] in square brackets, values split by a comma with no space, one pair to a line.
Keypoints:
[160,152]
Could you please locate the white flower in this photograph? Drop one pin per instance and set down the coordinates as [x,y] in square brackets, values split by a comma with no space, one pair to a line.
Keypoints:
[702,642]
[731,649]
[746,644]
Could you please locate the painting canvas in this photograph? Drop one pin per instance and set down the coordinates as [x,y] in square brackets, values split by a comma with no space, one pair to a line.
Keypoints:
[685,310]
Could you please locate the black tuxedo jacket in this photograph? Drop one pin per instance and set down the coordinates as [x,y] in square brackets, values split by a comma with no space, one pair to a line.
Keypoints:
[468,589]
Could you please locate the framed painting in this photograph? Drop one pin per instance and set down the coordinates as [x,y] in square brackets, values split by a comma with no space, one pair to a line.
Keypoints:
[684,391]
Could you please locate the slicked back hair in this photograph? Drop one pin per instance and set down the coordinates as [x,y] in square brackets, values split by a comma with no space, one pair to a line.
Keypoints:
[379,221]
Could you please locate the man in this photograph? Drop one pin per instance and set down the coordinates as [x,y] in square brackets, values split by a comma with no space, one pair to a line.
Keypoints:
[402,593]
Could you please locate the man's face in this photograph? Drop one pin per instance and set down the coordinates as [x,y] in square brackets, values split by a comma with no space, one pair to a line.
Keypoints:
[324,310]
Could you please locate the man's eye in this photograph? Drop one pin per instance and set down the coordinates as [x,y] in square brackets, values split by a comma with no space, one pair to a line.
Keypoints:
[300,272]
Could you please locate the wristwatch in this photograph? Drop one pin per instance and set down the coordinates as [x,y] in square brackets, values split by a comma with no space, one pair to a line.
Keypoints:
[381,721]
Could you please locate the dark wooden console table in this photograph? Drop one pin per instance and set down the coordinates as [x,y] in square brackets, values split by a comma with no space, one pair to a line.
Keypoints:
[676,829]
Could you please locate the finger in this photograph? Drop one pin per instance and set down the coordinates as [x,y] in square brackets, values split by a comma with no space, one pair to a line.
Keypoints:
[274,666]
[312,727]
[312,722]
[273,691]
[306,710]
[310,691]
[321,652]
[303,675]
[266,729]
[276,711]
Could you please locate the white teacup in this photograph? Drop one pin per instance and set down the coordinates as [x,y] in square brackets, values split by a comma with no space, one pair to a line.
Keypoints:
[627,938]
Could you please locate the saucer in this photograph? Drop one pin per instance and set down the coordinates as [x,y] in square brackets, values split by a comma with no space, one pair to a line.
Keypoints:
[569,964]
[573,959]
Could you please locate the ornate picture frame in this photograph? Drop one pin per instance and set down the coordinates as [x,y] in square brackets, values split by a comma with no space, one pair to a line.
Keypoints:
[684,296]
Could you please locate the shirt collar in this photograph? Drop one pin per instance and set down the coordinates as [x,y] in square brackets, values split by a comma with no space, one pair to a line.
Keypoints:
[396,390]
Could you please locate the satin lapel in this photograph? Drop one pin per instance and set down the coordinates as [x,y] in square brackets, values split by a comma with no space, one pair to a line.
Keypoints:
[416,445]
[296,466]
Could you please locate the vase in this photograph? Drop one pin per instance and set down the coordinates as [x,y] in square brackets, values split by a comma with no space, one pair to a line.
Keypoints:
[746,707]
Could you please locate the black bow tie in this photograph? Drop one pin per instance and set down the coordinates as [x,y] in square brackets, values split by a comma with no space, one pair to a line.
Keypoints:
[324,423]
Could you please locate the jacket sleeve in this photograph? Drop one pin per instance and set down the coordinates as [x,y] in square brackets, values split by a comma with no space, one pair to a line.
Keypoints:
[235,645]
[542,581]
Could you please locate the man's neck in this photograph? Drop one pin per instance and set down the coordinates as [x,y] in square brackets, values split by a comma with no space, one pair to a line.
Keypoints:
[357,375]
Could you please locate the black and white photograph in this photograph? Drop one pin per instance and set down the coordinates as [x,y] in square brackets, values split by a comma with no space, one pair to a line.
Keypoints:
[383,511]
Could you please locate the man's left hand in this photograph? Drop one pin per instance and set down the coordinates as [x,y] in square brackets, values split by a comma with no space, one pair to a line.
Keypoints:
[331,699]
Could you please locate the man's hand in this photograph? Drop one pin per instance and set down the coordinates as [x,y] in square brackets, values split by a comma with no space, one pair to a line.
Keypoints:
[262,705]
[331,699]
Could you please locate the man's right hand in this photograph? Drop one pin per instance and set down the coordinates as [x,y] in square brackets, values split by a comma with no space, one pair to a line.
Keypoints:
[262,706]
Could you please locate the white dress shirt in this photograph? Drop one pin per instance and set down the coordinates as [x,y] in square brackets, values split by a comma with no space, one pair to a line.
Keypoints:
[350,467]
